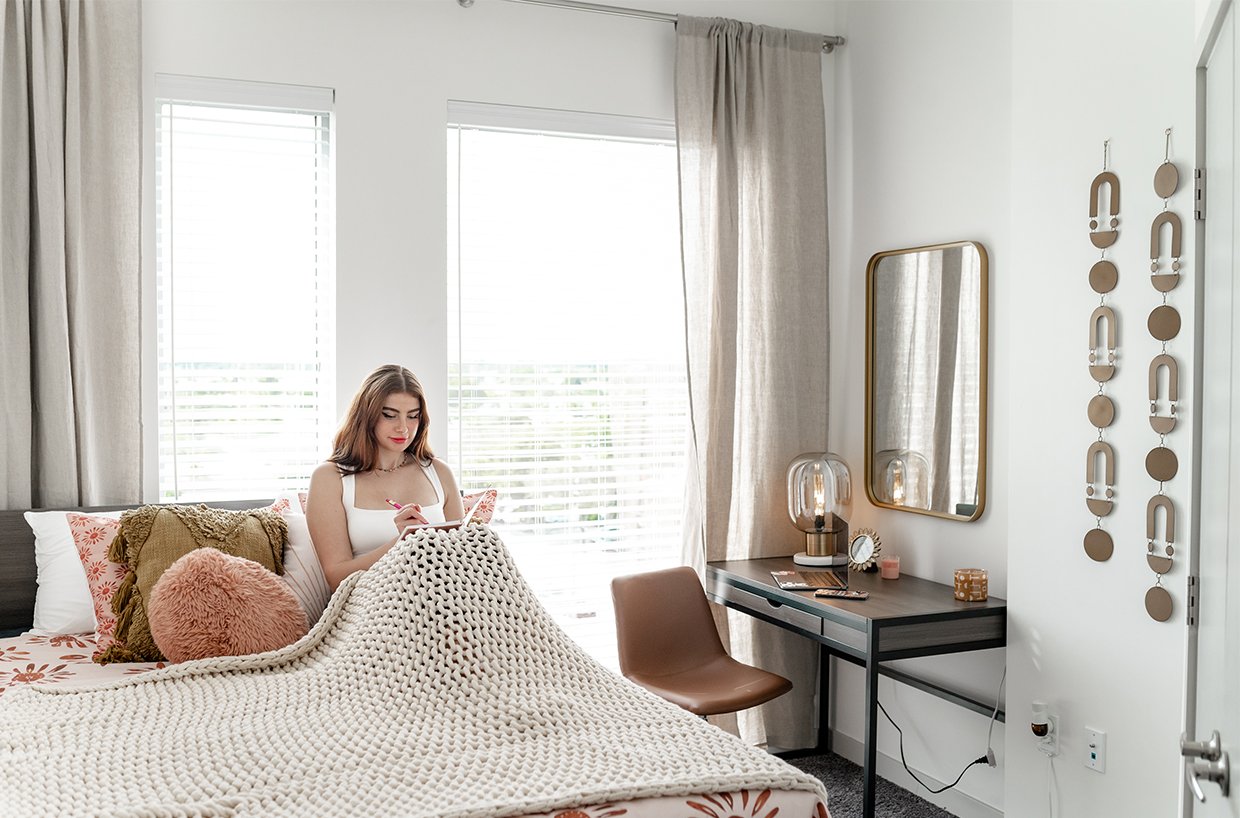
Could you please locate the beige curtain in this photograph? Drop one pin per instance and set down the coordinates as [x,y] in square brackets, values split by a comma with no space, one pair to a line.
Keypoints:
[70,182]
[751,137]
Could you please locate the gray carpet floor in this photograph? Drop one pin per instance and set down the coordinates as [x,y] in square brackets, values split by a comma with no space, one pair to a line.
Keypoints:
[842,779]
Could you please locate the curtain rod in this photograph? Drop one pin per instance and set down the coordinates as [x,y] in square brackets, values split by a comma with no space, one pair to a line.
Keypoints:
[829,42]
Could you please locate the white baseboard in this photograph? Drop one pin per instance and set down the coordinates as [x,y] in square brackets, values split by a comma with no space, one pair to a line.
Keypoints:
[954,801]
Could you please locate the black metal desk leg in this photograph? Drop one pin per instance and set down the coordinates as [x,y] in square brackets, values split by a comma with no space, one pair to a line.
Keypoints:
[869,770]
[824,700]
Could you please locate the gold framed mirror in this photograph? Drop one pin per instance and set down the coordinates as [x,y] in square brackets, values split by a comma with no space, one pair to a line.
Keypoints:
[926,380]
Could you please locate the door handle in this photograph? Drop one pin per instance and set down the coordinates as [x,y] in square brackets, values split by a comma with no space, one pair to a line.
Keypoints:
[1218,771]
[1209,750]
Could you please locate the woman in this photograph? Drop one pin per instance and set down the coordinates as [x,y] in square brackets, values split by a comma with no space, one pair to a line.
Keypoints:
[381,460]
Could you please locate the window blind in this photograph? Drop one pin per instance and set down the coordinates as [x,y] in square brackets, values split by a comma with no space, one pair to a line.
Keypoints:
[245,287]
[567,389]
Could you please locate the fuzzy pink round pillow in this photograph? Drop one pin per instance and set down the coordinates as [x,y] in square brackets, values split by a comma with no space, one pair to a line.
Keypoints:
[209,603]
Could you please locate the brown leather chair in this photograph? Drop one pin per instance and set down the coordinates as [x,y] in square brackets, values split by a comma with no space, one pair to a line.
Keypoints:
[669,645]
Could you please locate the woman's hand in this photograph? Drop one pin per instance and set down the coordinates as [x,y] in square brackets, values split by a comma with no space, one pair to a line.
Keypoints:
[409,515]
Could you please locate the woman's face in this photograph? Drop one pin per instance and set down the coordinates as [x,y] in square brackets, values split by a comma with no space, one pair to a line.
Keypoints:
[398,422]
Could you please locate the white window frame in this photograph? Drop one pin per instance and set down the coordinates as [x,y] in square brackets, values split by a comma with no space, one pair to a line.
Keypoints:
[514,119]
[239,94]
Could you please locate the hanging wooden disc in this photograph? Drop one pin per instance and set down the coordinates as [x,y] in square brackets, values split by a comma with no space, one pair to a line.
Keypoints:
[1166,180]
[1098,545]
[1161,464]
[1158,603]
[1164,323]
[1101,411]
[1103,277]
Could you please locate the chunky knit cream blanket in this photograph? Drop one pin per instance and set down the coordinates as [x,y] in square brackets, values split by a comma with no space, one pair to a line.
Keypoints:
[434,685]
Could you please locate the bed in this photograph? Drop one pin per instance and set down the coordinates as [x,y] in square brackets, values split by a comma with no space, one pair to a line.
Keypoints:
[433,684]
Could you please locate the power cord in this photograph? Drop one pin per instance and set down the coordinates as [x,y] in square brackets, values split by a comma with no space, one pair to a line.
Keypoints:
[990,753]
[988,759]
[1052,787]
[982,760]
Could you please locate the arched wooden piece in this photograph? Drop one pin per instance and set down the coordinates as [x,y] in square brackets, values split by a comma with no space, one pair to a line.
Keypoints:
[1164,323]
[1166,217]
[1104,178]
[1100,507]
[1166,180]
[1104,238]
[1103,277]
[1164,425]
[1173,380]
[1102,362]
[1158,603]
[1156,501]
[1098,545]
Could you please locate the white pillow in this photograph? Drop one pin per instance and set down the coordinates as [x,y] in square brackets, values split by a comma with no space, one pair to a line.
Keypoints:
[62,603]
[302,572]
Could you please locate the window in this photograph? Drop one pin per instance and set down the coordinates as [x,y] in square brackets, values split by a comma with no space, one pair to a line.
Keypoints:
[567,388]
[244,286]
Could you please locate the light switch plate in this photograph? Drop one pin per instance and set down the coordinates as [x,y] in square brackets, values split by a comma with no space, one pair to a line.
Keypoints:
[1095,749]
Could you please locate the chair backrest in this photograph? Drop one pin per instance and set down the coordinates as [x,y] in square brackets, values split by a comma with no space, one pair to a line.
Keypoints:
[663,622]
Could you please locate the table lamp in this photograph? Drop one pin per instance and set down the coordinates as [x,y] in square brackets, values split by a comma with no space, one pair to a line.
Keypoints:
[903,478]
[819,494]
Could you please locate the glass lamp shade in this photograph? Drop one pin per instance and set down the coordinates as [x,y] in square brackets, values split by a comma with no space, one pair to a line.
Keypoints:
[819,493]
[903,478]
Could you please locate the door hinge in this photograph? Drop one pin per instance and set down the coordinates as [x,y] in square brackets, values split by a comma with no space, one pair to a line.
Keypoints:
[1192,601]
[1199,194]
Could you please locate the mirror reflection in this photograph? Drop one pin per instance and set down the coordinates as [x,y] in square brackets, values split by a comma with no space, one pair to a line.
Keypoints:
[926,380]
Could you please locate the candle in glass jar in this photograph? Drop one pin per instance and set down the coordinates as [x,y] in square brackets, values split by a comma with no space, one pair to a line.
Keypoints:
[891,567]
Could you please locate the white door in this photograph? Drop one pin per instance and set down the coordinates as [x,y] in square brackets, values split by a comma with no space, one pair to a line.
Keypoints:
[1218,541]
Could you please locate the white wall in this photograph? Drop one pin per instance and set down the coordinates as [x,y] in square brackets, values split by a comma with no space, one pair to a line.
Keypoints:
[1078,633]
[393,66]
[953,120]
[924,155]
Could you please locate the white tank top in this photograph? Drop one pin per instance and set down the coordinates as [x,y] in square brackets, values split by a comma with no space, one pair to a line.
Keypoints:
[370,528]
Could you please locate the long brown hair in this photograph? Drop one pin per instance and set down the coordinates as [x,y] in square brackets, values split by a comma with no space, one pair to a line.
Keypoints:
[355,449]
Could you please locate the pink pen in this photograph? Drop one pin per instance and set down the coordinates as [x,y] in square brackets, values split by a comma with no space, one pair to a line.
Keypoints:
[396,506]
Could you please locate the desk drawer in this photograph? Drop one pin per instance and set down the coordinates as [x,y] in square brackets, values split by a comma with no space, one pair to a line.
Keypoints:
[764,608]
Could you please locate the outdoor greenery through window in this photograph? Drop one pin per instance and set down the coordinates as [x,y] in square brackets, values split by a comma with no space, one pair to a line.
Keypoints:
[567,388]
[245,286]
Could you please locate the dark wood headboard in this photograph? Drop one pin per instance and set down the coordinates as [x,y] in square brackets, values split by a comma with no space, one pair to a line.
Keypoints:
[18,574]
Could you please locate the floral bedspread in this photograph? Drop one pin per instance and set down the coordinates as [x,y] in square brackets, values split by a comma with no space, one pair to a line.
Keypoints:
[31,659]
[58,660]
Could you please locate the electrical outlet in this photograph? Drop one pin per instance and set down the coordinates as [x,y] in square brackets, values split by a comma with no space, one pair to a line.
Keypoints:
[1049,745]
[1095,749]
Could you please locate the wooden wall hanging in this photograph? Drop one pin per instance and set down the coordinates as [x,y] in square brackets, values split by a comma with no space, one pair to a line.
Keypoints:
[1161,463]
[1103,347]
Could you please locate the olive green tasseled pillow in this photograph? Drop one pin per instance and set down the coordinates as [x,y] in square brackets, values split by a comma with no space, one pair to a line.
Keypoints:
[151,538]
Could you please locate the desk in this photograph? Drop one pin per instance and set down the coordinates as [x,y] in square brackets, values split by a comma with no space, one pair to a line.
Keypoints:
[901,619]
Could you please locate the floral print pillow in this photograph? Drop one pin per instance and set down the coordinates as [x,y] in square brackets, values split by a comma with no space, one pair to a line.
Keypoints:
[486,509]
[92,536]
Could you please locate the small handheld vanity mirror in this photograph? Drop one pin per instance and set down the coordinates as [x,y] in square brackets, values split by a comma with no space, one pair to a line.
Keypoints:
[863,550]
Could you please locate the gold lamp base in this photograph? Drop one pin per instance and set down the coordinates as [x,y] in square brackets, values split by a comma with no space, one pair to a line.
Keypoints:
[824,548]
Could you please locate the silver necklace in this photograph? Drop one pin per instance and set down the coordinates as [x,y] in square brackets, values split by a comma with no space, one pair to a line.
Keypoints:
[397,466]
